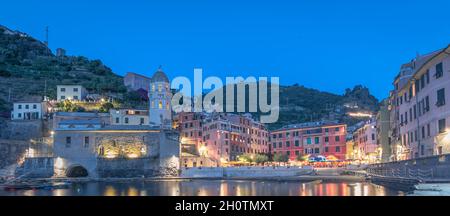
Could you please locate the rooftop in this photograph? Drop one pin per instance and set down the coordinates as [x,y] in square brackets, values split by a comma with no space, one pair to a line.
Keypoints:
[310,125]
[160,76]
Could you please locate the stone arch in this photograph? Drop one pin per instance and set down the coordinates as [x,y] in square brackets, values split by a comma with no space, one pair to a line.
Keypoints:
[76,170]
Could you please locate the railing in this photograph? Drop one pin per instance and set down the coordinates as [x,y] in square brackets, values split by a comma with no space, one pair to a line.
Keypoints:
[420,174]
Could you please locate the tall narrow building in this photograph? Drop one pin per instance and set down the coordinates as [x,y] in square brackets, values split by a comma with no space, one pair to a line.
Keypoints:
[160,97]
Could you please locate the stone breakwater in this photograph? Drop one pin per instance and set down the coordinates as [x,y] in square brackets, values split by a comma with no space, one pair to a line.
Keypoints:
[244,172]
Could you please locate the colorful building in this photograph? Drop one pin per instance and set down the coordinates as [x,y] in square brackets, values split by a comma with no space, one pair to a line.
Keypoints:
[365,143]
[326,139]
[222,137]
[420,108]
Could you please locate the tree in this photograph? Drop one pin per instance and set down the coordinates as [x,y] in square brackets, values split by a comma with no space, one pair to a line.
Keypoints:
[245,158]
[67,106]
[278,157]
[260,158]
[301,158]
[105,107]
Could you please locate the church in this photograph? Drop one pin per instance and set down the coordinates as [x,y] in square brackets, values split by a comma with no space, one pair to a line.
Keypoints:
[96,145]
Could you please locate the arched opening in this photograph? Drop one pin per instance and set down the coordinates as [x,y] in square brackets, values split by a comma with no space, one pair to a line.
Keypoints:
[76,171]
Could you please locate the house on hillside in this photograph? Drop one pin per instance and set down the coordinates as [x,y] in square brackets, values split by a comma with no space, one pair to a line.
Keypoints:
[70,92]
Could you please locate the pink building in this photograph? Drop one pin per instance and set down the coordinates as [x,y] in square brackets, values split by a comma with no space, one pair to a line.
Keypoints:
[422,109]
[365,143]
[315,138]
[136,81]
[222,137]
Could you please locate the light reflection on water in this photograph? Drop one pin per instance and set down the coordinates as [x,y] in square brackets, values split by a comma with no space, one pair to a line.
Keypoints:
[213,188]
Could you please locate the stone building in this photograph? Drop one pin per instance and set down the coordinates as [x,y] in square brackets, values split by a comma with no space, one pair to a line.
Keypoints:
[88,148]
[129,116]
[160,97]
[382,126]
[136,81]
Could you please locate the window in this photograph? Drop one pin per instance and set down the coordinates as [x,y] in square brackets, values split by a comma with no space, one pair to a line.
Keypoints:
[297,153]
[75,89]
[439,70]
[336,138]
[280,145]
[160,106]
[336,129]
[288,144]
[68,142]
[427,75]
[422,81]
[327,139]
[441,125]
[126,120]
[440,97]
[34,106]
[417,86]
[63,97]
[326,130]
[316,151]
[326,149]
[274,145]
[117,120]
[316,140]
[142,121]
[423,132]
[308,140]
[410,114]
[297,143]
[75,97]
[338,149]
[19,115]
[27,106]
[19,106]
[427,104]
[428,129]
[86,142]
[373,136]
[63,89]
[415,111]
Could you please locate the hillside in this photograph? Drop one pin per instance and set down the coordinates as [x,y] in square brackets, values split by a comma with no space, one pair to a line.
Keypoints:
[28,69]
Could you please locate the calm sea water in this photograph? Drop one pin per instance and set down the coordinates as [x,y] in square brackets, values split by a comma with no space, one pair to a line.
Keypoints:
[212,188]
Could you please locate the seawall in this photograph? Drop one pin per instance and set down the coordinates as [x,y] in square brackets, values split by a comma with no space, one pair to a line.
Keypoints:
[244,172]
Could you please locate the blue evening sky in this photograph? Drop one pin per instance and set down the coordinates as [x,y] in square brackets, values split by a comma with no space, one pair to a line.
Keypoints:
[323,44]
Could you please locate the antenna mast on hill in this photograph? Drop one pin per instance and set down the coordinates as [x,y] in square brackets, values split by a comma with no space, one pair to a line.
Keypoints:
[46,35]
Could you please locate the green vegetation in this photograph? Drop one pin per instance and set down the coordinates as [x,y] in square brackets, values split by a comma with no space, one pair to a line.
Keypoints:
[254,158]
[278,157]
[29,70]
[301,158]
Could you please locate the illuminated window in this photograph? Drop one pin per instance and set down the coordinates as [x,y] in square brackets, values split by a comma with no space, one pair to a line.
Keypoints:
[167,106]
[160,106]
[159,87]
[153,104]
[153,87]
